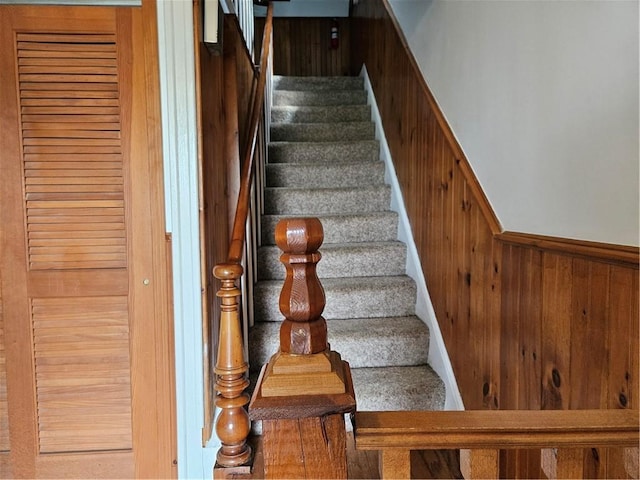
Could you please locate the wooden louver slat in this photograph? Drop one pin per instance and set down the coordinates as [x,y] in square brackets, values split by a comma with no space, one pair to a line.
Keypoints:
[83,387]
[72,152]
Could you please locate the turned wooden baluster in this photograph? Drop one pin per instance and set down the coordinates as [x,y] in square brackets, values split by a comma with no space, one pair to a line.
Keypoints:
[232,425]
[304,330]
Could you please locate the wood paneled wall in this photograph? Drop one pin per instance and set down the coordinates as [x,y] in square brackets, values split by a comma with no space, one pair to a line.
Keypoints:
[225,85]
[529,322]
[5,464]
[301,46]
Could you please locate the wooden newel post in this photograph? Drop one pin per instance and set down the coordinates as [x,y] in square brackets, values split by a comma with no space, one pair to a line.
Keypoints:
[305,389]
[232,425]
[302,301]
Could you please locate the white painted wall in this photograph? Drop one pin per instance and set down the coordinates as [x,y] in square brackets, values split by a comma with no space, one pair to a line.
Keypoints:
[543,98]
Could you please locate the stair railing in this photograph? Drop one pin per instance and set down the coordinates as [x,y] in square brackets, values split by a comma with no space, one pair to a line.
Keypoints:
[232,424]
[562,436]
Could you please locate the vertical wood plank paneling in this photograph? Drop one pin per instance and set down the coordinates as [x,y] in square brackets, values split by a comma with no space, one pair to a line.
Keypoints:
[246,78]
[556,332]
[530,332]
[479,277]
[216,210]
[526,326]
[4,414]
[5,444]
[586,348]
[588,345]
[623,362]
[225,97]
[301,46]
[510,328]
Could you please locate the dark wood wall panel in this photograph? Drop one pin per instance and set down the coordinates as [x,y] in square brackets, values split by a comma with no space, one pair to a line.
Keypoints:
[301,46]
[225,85]
[528,324]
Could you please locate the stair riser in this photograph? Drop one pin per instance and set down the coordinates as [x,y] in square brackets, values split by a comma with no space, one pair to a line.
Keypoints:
[344,261]
[344,152]
[363,344]
[317,176]
[322,132]
[336,113]
[317,83]
[285,201]
[396,299]
[302,98]
[374,227]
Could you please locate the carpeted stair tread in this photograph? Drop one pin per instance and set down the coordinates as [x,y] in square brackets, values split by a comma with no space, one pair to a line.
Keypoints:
[317,98]
[312,83]
[361,342]
[342,259]
[341,228]
[322,132]
[338,152]
[398,388]
[317,201]
[317,175]
[350,297]
[320,114]
[324,161]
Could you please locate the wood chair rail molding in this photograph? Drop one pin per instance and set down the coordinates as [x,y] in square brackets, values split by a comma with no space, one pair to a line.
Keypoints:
[620,254]
[485,433]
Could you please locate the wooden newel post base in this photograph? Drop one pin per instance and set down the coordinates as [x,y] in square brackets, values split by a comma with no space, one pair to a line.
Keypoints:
[305,389]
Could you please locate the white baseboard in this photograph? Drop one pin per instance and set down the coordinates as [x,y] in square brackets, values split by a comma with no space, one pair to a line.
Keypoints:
[438,356]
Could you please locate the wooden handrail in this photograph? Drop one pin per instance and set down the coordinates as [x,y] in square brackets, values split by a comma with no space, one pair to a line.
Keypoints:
[236,246]
[233,425]
[488,431]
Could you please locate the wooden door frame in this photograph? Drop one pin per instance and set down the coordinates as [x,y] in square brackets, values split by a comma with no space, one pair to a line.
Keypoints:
[156,427]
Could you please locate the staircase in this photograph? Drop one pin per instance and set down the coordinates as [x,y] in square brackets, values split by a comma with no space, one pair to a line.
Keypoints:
[324,162]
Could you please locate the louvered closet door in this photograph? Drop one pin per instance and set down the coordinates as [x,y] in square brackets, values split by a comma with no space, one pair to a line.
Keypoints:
[81,278]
